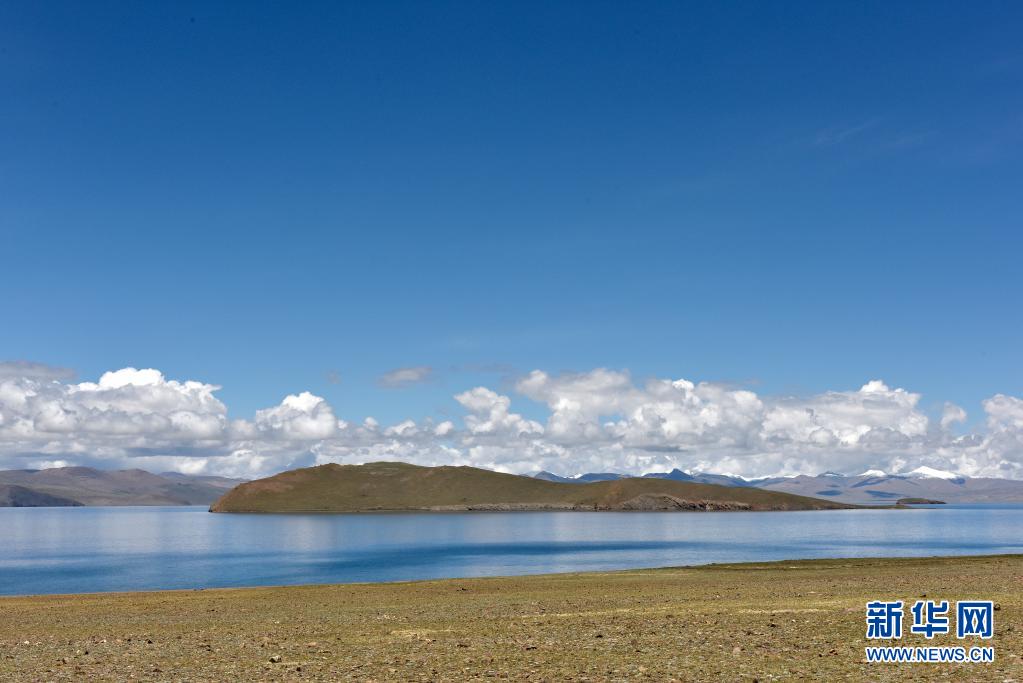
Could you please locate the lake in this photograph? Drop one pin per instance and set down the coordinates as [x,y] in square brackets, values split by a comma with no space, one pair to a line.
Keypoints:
[73,550]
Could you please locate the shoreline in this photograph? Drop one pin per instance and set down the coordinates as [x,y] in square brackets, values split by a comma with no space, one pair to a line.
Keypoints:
[503,507]
[788,619]
[753,565]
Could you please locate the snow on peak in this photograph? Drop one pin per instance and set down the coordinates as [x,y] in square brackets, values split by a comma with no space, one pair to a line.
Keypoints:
[874,473]
[925,472]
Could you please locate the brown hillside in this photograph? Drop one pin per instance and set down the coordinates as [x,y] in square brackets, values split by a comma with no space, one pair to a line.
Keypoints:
[399,486]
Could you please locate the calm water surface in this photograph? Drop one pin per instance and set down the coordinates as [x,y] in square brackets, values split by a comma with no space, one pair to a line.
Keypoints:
[72,550]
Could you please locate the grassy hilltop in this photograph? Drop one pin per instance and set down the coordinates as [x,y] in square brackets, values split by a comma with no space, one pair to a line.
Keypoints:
[400,486]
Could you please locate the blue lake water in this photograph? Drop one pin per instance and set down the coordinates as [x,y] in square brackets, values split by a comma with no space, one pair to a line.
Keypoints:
[72,550]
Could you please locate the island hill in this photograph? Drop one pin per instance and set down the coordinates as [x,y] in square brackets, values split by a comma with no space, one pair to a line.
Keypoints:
[394,486]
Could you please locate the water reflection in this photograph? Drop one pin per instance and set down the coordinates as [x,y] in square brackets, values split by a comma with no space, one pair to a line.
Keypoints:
[56,550]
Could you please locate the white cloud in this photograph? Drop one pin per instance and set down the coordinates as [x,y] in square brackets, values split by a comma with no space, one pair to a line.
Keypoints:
[401,377]
[124,408]
[489,415]
[23,369]
[1005,413]
[840,419]
[302,417]
[600,420]
[952,414]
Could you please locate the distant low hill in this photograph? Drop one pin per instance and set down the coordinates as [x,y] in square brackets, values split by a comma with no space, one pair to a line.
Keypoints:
[89,486]
[871,487]
[13,496]
[399,486]
[878,487]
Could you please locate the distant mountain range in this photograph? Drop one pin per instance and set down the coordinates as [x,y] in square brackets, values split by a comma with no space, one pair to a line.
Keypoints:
[878,487]
[872,486]
[674,475]
[70,486]
[73,486]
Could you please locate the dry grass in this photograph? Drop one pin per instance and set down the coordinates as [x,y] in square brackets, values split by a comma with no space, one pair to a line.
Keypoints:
[779,621]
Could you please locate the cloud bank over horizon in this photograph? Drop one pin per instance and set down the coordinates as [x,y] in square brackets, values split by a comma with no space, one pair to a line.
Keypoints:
[601,420]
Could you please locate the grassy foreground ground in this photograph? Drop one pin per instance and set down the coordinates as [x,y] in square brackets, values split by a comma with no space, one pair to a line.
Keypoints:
[751,622]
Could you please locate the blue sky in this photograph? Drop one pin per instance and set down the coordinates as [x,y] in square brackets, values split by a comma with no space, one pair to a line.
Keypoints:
[789,197]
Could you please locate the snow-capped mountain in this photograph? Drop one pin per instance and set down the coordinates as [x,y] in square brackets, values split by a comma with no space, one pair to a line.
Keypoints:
[924,472]
[676,474]
[872,486]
